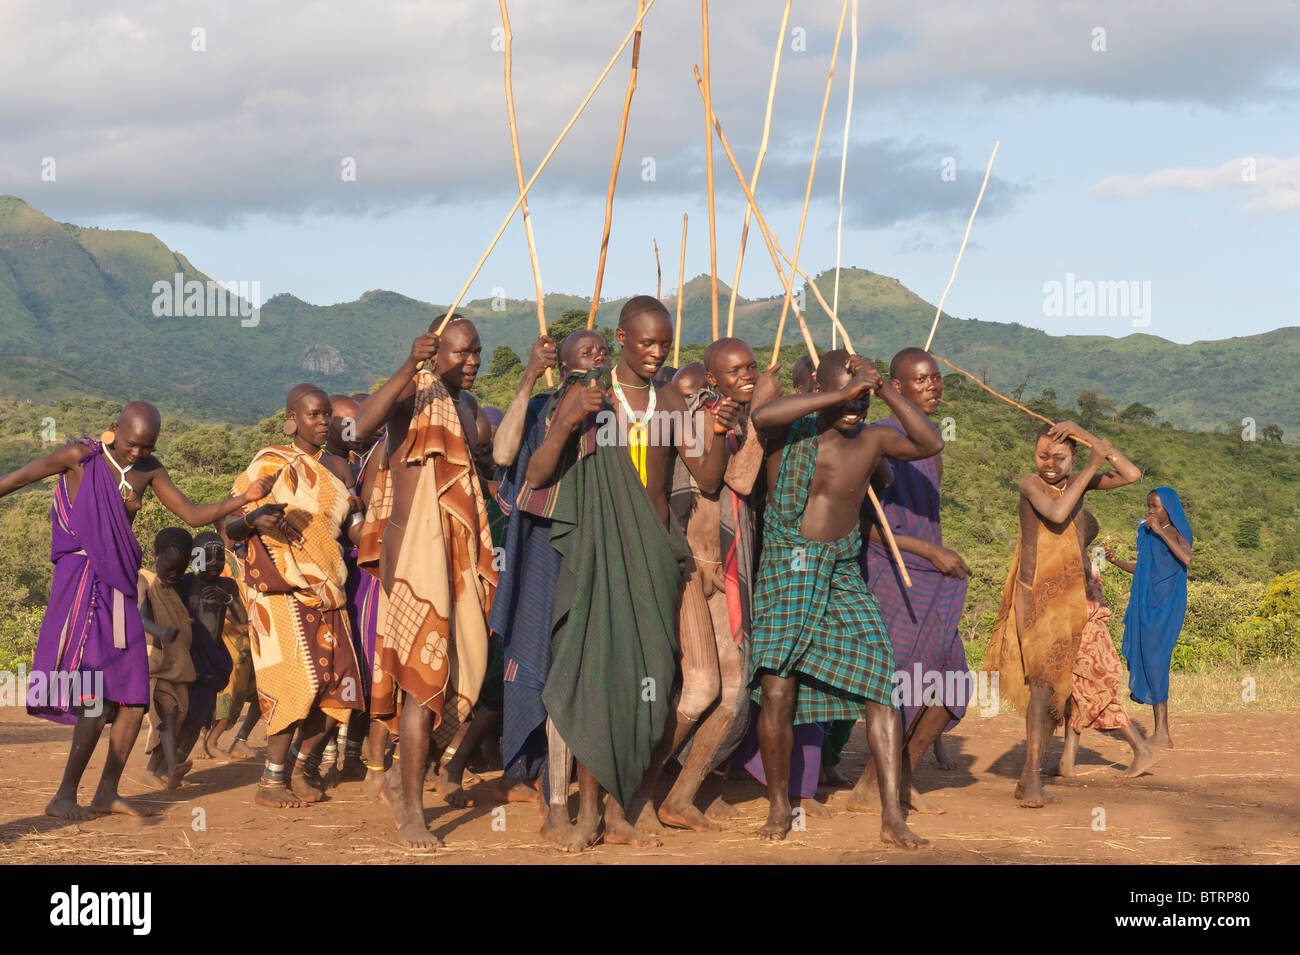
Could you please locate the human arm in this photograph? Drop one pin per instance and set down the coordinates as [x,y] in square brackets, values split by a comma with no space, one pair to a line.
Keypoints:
[510,433]
[945,561]
[1124,565]
[919,439]
[1178,546]
[1057,510]
[56,462]
[706,464]
[569,415]
[198,515]
[375,410]
[160,633]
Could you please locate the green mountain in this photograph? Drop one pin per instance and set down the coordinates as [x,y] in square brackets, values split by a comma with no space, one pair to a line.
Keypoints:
[77,317]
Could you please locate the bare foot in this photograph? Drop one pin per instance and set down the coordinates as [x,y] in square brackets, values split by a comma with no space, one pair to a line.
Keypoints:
[202,753]
[897,834]
[65,807]
[832,777]
[814,807]
[353,769]
[210,751]
[277,796]
[1063,770]
[778,822]
[1161,740]
[686,816]
[1034,796]
[416,835]
[116,805]
[512,790]
[176,775]
[1142,761]
[618,832]
[647,820]
[946,762]
[153,780]
[863,800]
[307,788]
[921,804]
[722,810]
[240,749]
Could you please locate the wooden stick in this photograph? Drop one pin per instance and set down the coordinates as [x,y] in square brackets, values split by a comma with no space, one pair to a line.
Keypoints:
[613,173]
[451,310]
[812,171]
[659,272]
[708,166]
[758,166]
[939,311]
[681,278]
[812,352]
[768,238]
[519,178]
[844,161]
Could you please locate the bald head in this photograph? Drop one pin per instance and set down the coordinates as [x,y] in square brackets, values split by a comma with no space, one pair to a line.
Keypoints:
[300,393]
[135,432]
[689,379]
[639,305]
[583,350]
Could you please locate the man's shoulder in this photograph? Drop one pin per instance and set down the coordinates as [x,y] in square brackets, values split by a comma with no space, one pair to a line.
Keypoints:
[150,465]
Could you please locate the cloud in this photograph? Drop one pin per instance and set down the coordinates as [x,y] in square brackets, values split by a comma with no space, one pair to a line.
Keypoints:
[261,119]
[1270,184]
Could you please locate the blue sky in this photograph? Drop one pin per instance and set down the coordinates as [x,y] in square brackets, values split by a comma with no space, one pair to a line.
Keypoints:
[1111,164]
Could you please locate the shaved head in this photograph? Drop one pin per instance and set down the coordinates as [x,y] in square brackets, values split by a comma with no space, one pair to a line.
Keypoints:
[344,406]
[802,373]
[906,358]
[689,379]
[140,414]
[833,370]
[299,392]
[574,342]
[638,305]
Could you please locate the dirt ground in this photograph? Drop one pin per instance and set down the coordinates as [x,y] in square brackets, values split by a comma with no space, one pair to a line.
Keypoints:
[1227,794]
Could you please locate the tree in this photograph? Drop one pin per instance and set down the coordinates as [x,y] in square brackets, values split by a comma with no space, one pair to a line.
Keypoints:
[503,360]
[1047,394]
[1138,413]
[1273,434]
[570,321]
[1247,534]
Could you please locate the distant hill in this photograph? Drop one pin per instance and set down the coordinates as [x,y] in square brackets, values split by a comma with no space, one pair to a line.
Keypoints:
[76,318]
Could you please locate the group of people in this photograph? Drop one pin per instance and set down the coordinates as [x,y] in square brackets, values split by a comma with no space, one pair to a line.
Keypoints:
[641,570]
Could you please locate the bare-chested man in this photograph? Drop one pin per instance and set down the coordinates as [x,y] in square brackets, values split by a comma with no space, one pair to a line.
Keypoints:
[1045,603]
[820,649]
[97,559]
[434,557]
[651,425]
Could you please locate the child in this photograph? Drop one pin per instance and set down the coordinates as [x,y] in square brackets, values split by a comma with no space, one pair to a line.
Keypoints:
[1158,603]
[1044,604]
[210,598]
[171,671]
[1094,699]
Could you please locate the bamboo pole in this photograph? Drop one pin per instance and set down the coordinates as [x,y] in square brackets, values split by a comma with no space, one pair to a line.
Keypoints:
[770,241]
[812,171]
[519,178]
[939,311]
[768,238]
[708,166]
[659,273]
[613,173]
[844,161]
[681,290]
[758,166]
[554,146]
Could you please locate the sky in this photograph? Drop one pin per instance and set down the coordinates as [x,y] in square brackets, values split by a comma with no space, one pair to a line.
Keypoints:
[1152,143]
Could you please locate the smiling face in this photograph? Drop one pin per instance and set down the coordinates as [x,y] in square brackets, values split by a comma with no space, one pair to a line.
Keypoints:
[847,416]
[312,414]
[918,380]
[1053,459]
[460,353]
[733,370]
[645,339]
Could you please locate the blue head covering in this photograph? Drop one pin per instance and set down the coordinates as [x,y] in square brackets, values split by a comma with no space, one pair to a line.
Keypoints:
[1157,605]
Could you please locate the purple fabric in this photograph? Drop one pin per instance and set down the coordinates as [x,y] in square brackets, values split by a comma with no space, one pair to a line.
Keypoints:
[494,415]
[94,553]
[805,755]
[921,621]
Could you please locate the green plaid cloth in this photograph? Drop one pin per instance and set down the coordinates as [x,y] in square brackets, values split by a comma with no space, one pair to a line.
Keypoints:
[814,617]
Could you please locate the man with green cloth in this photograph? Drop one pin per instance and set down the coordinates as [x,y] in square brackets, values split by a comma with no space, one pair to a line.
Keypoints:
[601,476]
[820,650]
